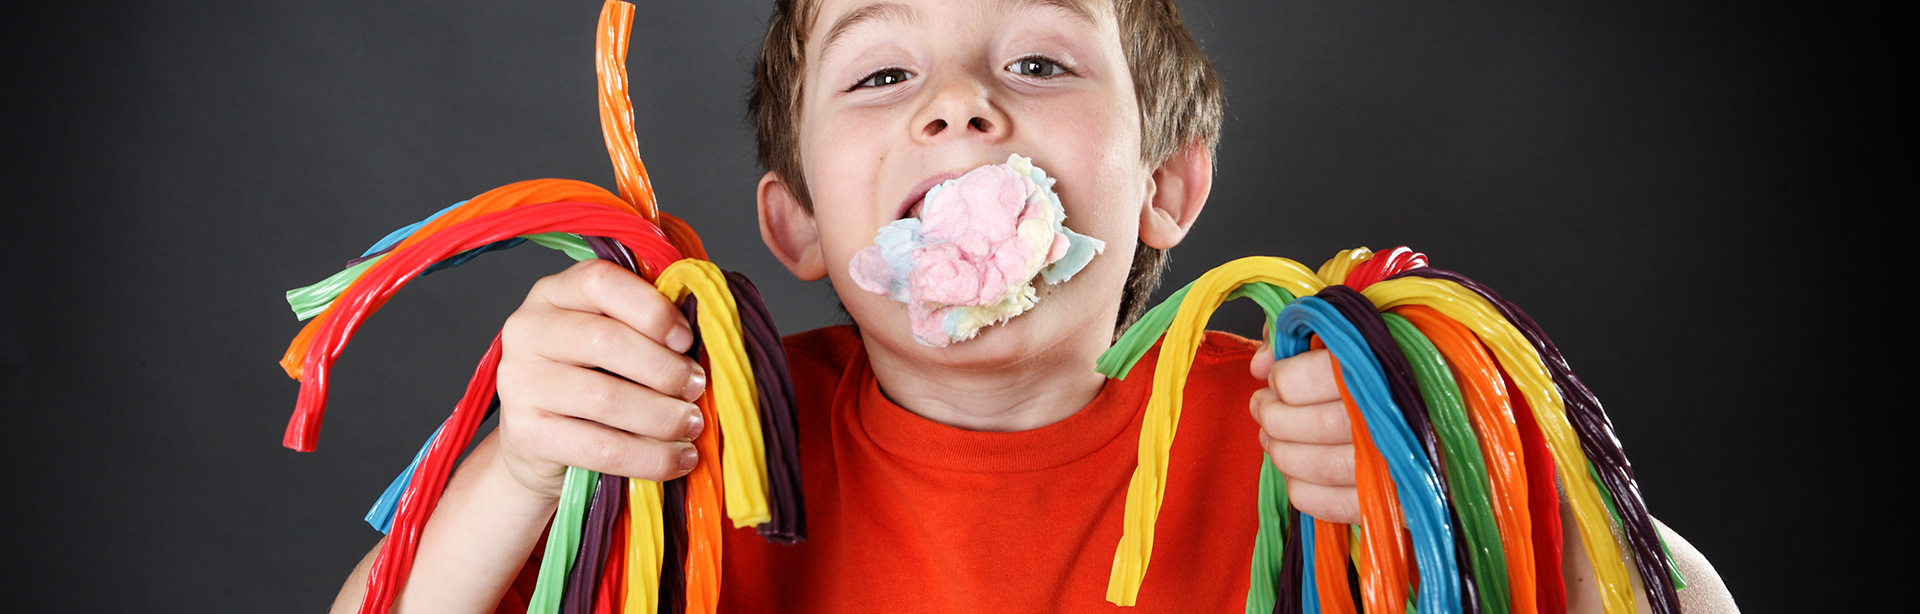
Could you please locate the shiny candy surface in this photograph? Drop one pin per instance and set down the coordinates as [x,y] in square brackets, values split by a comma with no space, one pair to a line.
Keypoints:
[1463,416]
[615,544]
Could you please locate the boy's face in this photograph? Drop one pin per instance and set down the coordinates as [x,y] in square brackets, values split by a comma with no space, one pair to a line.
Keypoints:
[899,95]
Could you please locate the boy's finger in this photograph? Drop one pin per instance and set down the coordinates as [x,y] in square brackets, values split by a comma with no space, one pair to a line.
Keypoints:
[592,395]
[1321,423]
[1262,362]
[589,340]
[1314,464]
[578,443]
[601,287]
[1339,504]
[1305,379]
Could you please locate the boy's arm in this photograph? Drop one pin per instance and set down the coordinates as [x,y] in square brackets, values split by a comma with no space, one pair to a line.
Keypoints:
[1303,427]
[481,534]
[1704,594]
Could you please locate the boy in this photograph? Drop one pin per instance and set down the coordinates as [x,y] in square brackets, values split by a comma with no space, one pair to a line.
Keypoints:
[986,475]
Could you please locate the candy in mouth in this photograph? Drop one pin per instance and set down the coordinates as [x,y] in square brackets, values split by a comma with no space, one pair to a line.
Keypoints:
[971,256]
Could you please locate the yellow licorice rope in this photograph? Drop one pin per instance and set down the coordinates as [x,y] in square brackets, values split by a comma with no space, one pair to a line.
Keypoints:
[743,467]
[1336,269]
[646,545]
[1549,409]
[1149,483]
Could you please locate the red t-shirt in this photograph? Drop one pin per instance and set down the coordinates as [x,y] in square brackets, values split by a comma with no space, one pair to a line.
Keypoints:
[908,515]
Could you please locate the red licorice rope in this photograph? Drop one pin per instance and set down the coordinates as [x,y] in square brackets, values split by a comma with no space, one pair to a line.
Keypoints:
[1383,265]
[390,568]
[385,278]
[1543,505]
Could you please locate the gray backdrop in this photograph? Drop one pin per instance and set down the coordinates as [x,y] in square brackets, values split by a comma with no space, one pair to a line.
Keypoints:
[1656,184]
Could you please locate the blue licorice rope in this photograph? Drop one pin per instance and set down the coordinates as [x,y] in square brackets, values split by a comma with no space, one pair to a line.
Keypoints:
[381,516]
[1309,586]
[1413,478]
[405,231]
[462,257]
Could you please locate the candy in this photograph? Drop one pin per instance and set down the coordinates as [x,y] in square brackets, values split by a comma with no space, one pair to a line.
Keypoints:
[969,259]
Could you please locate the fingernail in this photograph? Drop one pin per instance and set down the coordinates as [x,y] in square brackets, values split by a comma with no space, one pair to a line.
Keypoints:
[689,458]
[696,384]
[680,339]
[695,423]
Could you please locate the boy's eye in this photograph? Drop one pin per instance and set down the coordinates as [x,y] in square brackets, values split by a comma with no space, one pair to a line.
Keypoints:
[1036,66]
[882,78]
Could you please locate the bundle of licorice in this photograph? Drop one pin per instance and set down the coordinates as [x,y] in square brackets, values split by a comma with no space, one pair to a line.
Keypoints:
[1464,416]
[616,545]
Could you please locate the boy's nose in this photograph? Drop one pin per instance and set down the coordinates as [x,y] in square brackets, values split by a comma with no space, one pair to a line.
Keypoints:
[961,109]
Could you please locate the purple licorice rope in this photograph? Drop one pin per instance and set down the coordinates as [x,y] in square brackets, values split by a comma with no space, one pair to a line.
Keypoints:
[595,542]
[1286,596]
[673,586]
[1597,440]
[673,503]
[1358,310]
[612,251]
[673,566]
[774,385]
[1404,388]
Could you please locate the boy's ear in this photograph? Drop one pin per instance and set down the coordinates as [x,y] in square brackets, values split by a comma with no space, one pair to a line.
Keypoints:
[789,230]
[1176,195]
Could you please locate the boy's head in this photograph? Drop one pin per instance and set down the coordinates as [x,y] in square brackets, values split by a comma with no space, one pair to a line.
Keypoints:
[854,101]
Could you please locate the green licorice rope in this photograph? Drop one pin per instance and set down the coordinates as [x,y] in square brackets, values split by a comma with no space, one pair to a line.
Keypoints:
[309,301]
[1270,543]
[1119,359]
[563,541]
[1466,468]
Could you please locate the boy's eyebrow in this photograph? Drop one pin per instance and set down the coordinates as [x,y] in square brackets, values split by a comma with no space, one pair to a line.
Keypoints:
[1070,7]
[880,11]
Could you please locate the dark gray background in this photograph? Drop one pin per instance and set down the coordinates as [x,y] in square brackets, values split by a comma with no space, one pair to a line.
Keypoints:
[1659,185]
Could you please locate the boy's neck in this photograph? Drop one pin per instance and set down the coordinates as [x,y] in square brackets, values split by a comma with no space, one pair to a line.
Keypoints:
[1021,395]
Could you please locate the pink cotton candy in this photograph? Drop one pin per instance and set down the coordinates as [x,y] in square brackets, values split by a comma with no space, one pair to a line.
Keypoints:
[870,271]
[973,253]
[970,258]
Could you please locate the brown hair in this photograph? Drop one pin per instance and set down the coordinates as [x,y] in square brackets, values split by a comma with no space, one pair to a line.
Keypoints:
[1178,91]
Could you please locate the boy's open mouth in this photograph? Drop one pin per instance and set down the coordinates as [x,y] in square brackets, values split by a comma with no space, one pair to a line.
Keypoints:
[916,198]
[967,246]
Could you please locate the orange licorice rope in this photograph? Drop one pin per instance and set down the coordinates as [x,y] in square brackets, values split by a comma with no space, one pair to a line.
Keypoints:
[512,195]
[1330,567]
[1485,393]
[704,531]
[616,110]
[1524,367]
[378,284]
[682,236]
[1383,578]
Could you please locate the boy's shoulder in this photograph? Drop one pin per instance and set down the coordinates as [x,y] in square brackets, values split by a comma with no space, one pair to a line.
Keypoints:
[1222,346]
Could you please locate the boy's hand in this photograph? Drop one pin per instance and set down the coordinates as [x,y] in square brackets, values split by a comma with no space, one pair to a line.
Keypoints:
[1303,426]
[633,419]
